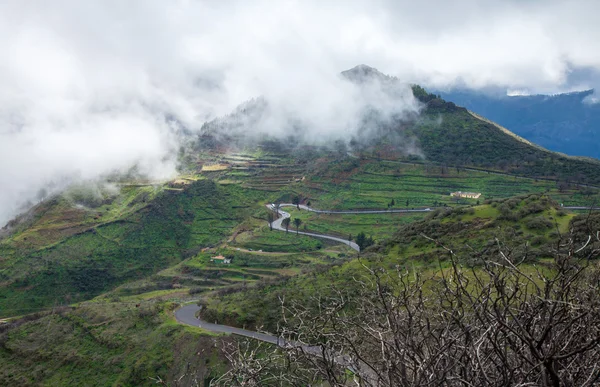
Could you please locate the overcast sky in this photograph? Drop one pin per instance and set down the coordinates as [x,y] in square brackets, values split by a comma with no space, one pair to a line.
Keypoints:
[85,85]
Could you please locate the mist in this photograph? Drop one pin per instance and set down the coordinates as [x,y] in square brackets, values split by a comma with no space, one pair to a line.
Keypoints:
[88,88]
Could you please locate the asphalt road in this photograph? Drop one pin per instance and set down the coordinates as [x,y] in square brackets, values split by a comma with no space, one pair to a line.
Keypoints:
[277,226]
[187,315]
[396,211]
[277,223]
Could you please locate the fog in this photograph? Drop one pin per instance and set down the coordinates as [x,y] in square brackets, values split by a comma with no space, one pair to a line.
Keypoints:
[87,85]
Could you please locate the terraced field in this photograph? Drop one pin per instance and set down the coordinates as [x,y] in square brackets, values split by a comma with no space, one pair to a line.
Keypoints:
[374,184]
[380,226]
[199,275]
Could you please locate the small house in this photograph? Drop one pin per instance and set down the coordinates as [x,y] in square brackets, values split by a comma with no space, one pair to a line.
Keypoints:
[220,259]
[468,195]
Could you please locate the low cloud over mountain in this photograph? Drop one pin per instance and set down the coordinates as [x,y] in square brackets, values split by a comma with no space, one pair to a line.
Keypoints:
[93,87]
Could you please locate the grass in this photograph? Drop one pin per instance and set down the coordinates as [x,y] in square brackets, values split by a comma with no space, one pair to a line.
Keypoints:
[380,226]
[215,167]
[260,237]
[107,343]
[198,276]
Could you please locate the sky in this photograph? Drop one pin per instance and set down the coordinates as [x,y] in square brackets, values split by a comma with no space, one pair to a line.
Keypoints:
[87,85]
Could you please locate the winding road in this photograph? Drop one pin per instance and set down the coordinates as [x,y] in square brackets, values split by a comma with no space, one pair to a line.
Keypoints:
[187,315]
[277,223]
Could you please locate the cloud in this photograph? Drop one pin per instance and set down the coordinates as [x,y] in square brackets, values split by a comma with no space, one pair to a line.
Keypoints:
[86,86]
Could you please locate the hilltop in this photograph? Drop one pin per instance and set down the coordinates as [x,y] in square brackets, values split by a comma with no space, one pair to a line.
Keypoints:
[443,133]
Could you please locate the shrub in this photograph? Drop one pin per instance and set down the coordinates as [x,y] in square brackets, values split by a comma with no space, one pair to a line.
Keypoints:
[539,223]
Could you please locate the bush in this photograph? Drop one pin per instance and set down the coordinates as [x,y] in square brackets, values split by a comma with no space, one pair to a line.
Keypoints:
[539,223]
[538,240]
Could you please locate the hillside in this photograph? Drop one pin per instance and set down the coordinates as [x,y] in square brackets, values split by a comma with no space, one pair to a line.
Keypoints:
[459,138]
[108,344]
[471,293]
[562,123]
[74,247]
[49,263]
[527,226]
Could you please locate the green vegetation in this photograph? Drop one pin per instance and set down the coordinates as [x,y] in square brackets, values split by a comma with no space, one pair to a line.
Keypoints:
[107,343]
[202,273]
[520,224]
[374,183]
[176,225]
[276,241]
[380,225]
[451,135]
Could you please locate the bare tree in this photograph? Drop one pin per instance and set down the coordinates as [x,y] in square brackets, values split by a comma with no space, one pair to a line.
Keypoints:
[260,364]
[500,323]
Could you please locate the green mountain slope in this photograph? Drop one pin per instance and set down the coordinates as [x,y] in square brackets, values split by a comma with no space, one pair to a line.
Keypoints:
[451,135]
[528,226]
[441,133]
[173,226]
[108,344]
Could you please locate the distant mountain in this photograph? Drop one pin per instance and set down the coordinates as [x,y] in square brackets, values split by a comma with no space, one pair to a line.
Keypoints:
[564,122]
[443,132]
[365,74]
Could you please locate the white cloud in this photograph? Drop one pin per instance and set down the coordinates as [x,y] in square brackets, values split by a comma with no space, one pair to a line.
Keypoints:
[86,84]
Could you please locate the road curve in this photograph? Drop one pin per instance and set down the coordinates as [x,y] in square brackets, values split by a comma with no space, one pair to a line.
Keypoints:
[187,315]
[277,226]
[277,223]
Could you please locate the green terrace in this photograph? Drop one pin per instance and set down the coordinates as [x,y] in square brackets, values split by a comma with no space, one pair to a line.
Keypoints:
[358,184]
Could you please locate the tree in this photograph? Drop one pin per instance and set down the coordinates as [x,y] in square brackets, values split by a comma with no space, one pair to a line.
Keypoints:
[270,218]
[360,239]
[286,223]
[296,201]
[363,241]
[392,203]
[277,208]
[308,203]
[297,223]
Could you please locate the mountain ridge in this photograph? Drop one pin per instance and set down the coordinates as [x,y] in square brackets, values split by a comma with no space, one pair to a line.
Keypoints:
[567,123]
